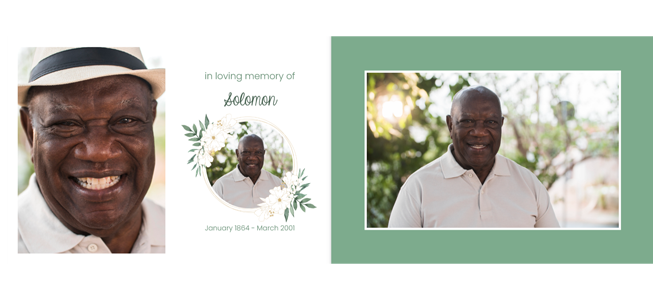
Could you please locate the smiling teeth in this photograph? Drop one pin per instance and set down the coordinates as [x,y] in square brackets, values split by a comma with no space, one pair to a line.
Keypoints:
[98,183]
[478,146]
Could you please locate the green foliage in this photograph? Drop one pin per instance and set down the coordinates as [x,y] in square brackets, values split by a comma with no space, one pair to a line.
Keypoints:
[299,199]
[393,153]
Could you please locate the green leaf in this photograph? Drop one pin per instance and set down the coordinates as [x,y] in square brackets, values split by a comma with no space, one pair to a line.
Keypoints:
[197,144]
[186,128]
[192,150]
[305,200]
[192,158]
[301,173]
[195,128]
[292,214]
[310,205]
[286,215]
[304,178]
[195,139]
[190,134]
[302,207]
[300,196]
[201,126]
[295,205]
[302,187]
[206,121]
[194,166]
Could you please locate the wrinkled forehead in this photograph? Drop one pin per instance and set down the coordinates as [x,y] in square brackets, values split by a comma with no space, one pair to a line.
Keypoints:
[119,91]
[252,144]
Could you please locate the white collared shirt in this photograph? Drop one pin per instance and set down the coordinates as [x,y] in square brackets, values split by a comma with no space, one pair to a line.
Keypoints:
[40,231]
[443,194]
[239,190]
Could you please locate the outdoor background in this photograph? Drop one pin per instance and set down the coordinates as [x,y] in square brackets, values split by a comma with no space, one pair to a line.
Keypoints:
[153,60]
[277,160]
[562,126]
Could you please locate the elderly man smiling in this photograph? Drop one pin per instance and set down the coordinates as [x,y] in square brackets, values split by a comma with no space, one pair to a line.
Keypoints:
[471,185]
[248,183]
[88,114]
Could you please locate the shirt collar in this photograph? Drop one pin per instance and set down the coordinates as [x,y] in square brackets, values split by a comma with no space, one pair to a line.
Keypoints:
[501,168]
[43,232]
[238,176]
[451,168]
[153,229]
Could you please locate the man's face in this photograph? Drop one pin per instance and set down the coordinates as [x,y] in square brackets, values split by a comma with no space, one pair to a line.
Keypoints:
[93,149]
[476,130]
[250,155]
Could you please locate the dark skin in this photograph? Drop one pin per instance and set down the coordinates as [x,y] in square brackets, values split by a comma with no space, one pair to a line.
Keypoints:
[475,126]
[250,154]
[98,129]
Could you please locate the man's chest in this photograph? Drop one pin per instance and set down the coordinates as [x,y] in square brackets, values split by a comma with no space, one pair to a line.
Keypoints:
[462,202]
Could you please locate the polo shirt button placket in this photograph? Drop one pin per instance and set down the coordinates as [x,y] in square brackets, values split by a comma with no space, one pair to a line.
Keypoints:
[92,248]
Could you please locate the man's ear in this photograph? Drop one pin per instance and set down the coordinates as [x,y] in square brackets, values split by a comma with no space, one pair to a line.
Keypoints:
[154,105]
[26,123]
[449,124]
[237,157]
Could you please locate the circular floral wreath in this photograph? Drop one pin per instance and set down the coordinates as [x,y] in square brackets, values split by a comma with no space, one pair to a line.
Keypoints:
[212,136]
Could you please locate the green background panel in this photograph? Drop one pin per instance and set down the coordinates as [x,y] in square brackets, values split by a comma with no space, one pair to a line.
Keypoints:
[352,56]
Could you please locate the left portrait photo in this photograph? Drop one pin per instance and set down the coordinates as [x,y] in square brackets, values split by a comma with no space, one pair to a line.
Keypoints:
[91,150]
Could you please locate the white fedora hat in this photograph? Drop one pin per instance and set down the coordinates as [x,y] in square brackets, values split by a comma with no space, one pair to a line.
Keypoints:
[64,65]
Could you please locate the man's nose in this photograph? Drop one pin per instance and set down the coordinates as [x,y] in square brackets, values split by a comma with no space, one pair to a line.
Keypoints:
[99,145]
[479,129]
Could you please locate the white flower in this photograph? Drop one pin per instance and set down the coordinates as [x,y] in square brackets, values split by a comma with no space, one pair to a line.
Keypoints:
[213,138]
[292,182]
[204,158]
[264,212]
[226,124]
[279,199]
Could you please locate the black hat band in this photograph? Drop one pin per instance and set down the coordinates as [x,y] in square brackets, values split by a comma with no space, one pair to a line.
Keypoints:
[81,57]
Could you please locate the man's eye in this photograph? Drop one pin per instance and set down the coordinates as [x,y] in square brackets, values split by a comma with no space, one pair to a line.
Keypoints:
[64,128]
[127,121]
[65,124]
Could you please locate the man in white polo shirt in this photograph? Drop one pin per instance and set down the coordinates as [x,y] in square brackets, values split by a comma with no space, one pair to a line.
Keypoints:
[88,115]
[248,183]
[471,185]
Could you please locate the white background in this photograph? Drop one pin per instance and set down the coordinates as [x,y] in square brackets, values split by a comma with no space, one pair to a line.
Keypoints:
[267,37]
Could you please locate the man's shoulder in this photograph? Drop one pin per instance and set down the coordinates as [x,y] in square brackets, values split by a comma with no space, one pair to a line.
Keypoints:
[272,177]
[155,215]
[153,207]
[432,169]
[229,177]
[23,200]
[28,200]
[519,171]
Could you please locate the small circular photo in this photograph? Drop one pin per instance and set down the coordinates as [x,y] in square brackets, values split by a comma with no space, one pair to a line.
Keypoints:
[249,163]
